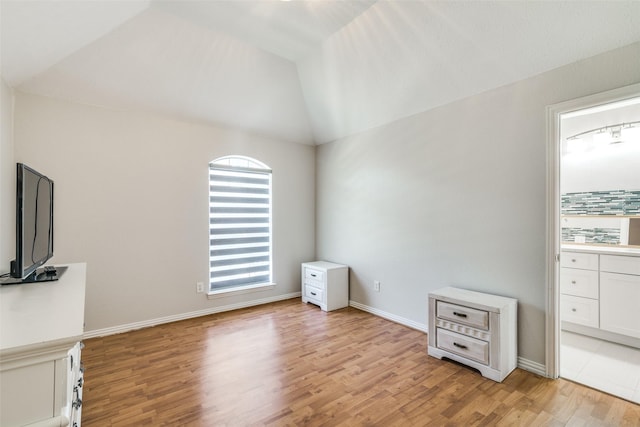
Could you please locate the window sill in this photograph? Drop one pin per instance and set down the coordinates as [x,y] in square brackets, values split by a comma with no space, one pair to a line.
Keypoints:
[224,293]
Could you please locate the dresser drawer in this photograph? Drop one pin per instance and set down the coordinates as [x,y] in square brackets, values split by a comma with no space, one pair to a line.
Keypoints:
[463,345]
[583,311]
[620,264]
[313,293]
[579,260]
[311,274]
[463,315]
[579,283]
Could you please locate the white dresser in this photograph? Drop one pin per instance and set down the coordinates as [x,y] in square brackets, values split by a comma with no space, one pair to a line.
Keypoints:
[41,325]
[473,328]
[325,284]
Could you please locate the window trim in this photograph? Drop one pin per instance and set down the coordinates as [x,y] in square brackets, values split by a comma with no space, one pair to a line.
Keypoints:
[239,290]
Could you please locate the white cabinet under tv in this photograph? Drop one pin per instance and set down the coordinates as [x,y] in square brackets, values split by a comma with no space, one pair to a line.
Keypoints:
[41,326]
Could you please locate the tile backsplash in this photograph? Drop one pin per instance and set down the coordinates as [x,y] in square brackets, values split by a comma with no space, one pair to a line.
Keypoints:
[615,202]
[592,235]
[598,203]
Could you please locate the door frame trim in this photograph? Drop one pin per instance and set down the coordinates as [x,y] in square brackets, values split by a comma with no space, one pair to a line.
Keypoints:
[552,318]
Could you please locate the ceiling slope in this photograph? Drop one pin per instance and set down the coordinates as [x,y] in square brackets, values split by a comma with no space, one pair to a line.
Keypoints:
[37,34]
[401,58]
[158,61]
[290,29]
[308,71]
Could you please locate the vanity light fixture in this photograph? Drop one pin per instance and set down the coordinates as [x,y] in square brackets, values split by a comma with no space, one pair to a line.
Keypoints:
[630,133]
[611,134]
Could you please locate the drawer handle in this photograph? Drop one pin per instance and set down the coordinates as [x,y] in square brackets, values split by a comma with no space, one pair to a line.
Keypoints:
[455,313]
[313,293]
[573,260]
[573,282]
[464,347]
[313,275]
[574,310]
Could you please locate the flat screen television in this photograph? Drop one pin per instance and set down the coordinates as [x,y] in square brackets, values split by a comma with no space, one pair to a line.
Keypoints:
[34,227]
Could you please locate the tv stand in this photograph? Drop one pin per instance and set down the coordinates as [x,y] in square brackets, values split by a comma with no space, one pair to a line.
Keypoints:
[41,377]
[40,275]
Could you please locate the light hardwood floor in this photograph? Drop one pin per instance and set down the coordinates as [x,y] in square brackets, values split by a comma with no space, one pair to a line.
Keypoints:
[290,364]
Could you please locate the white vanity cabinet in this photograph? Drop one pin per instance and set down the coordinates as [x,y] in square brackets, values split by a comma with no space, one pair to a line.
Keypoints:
[579,289]
[620,294]
[41,325]
[325,284]
[600,293]
[473,328]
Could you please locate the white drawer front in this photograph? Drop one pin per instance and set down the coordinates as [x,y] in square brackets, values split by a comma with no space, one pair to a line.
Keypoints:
[583,311]
[313,293]
[468,347]
[311,274]
[314,283]
[620,264]
[579,260]
[464,315]
[579,283]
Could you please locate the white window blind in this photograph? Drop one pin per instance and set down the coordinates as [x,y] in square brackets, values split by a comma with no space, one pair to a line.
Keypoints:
[239,223]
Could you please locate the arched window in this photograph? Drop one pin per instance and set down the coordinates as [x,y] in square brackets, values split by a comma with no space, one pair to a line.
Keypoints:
[239,223]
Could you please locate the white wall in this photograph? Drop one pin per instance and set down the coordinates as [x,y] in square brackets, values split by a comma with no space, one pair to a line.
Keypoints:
[454,196]
[614,167]
[7,179]
[605,167]
[132,201]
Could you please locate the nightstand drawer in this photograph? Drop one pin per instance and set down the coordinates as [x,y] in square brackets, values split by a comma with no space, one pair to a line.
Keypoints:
[463,315]
[313,293]
[579,283]
[311,274]
[314,283]
[463,345]
[583,311]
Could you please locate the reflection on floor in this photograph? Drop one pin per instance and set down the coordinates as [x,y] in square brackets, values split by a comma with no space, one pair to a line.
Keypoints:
[603,365]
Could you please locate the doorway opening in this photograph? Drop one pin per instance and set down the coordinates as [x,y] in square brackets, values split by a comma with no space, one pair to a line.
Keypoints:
[593,334]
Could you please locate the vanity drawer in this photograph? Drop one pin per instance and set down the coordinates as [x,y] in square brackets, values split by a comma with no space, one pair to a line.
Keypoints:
[463,315]
[620,264]
[313,293]
[579,260]
[579,283]
[583,311]
[469,347]
[311,274]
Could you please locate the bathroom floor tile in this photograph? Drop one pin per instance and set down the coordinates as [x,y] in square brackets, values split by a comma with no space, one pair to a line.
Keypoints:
[606,366]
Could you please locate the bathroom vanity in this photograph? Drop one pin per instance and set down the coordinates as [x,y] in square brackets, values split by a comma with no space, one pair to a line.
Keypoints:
[600,292]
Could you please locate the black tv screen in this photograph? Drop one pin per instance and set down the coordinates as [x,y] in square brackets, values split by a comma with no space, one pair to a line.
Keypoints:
[34,221]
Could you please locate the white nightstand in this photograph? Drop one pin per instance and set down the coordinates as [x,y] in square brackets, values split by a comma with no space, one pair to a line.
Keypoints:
[325,284]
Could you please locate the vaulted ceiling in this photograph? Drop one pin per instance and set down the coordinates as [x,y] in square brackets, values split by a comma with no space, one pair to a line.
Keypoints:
[308,71]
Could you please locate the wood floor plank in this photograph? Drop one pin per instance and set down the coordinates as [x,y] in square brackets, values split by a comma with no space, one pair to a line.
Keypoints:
[290,364]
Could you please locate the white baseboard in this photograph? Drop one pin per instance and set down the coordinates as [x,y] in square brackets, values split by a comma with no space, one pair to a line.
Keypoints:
[531,366]
[523,363]
[176,317]
[401,320]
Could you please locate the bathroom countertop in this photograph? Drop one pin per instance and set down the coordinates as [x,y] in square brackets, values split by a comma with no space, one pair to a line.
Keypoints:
[602,249]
